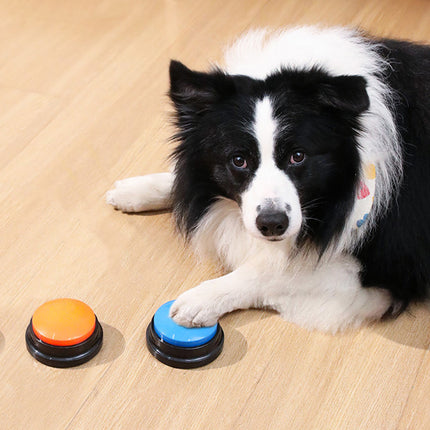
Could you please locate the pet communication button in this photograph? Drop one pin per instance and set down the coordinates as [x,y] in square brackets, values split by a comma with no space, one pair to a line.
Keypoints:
[179,346]
[64,333]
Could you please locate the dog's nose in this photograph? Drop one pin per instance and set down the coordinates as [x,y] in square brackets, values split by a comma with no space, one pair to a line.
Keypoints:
[272,223]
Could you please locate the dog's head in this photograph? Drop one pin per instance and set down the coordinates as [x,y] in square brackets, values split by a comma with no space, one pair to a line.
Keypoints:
[283,148]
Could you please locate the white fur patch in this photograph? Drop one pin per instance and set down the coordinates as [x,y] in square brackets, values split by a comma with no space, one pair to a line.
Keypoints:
[265,128]
[270,186]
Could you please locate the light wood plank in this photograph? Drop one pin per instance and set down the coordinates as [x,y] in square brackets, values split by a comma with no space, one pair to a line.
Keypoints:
[82,90]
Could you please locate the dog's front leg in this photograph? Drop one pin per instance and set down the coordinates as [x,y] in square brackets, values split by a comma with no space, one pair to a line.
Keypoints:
[142,193]
[206,303]
[327,297]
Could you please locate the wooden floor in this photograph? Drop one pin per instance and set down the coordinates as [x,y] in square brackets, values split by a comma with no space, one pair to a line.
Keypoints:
[82,103]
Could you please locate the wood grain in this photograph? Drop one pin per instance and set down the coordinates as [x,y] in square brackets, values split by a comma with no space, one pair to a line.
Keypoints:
[82,96]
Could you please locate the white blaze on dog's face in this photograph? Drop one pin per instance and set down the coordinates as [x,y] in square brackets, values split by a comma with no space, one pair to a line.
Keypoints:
[270,204]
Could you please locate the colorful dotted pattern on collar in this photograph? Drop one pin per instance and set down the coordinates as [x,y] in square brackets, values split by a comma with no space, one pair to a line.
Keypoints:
[366,195]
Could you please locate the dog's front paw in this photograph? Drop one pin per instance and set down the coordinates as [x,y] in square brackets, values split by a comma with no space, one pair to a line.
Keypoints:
[126,195]
[142,193]
[195,308]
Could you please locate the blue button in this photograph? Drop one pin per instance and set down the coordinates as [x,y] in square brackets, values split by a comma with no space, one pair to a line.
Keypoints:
[170,332]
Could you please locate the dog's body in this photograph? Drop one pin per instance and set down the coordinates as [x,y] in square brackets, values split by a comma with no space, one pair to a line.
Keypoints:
[304,168]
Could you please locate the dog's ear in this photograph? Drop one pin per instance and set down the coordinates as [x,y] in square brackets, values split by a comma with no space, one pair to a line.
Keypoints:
[346,93]
[193,92]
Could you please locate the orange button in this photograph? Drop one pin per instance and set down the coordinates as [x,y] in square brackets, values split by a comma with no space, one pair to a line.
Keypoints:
[64,322]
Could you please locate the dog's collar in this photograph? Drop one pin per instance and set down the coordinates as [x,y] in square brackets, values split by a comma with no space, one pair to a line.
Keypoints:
[365,195]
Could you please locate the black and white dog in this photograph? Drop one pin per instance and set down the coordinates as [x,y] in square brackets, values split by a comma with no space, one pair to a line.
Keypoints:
[304,167]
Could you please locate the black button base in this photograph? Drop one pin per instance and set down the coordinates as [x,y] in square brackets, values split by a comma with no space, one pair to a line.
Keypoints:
[64,356]
[182,357]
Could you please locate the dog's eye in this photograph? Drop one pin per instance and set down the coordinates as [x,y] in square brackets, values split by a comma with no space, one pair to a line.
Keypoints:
[297,158]
[239,162]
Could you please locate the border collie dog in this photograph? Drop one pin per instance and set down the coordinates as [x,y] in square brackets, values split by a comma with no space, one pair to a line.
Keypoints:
[303,166]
